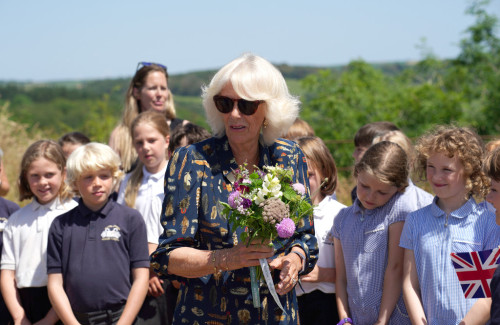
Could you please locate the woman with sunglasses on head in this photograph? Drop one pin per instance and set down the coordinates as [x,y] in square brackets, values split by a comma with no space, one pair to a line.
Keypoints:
[248,107]
[148,89]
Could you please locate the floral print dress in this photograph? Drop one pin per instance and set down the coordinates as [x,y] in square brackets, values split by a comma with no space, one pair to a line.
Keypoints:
[198,178]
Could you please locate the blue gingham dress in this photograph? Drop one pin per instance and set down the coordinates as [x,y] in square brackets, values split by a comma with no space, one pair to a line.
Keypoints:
[364,235]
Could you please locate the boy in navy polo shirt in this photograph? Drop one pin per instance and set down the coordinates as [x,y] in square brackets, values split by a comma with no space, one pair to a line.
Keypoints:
[97,255]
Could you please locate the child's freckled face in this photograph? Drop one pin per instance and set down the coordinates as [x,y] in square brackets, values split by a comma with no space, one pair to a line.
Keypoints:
[494,198]
[44,179]
[372,193]
[95,188]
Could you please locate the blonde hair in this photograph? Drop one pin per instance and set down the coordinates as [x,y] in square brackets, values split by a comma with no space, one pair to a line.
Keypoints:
[491,164]
[122,141]
[92,157]
[402,140]
[299,128]
[49,150]
[492,145]
[317,153]
[253,78]
[157,121]
[461,142]
[387,162]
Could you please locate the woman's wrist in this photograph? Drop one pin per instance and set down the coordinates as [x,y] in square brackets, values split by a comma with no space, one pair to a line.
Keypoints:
[302,259]
[220,260]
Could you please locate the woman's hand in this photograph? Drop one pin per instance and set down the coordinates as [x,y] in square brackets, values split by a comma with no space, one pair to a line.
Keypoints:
[290,266]
[243,255]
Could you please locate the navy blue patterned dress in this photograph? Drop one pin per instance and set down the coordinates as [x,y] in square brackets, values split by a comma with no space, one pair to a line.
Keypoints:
[196,182]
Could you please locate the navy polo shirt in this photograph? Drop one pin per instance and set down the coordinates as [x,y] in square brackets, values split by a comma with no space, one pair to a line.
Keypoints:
[6,209]
[95,253]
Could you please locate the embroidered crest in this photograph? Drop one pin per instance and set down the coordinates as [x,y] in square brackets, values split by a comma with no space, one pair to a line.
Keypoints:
[111,232]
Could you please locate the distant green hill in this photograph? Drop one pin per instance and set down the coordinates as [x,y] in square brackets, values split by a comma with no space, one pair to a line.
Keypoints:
[63,106]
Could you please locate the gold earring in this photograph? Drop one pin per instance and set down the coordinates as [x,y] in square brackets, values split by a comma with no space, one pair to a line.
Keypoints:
[265,123]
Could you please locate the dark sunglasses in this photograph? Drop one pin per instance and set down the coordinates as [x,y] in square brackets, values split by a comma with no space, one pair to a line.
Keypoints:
[145,64]
[225,105]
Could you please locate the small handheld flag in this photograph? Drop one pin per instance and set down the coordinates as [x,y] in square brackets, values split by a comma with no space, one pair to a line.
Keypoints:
[475,270]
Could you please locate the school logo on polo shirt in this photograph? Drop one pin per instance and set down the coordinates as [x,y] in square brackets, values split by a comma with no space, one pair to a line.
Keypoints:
[3,222]
[111,232]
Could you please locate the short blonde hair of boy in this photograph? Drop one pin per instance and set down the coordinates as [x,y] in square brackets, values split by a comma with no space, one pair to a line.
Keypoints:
[319,155]
[453,141]
[92,157]
[388,162]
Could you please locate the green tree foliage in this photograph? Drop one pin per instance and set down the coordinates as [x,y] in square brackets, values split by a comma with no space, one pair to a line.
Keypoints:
[464,91]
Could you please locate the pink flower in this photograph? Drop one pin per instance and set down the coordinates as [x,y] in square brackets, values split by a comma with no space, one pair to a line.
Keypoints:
[285,228]
[299,188]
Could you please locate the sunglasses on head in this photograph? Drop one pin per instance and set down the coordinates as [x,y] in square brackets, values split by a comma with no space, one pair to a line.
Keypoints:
[145,64]
[225,105]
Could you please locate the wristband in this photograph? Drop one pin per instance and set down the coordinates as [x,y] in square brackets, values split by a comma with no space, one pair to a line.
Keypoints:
[345,320]
[302,260]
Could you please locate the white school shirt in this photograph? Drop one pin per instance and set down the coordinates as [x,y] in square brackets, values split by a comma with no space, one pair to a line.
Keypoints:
[151,186]
[152,218]
[324,214]
[25,241]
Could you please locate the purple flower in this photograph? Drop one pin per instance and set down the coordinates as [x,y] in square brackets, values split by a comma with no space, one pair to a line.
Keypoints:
[299,188]
[234,199]
[246,203]
[285,228]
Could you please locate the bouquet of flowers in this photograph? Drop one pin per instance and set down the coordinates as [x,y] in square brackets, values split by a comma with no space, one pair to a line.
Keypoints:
[267,205]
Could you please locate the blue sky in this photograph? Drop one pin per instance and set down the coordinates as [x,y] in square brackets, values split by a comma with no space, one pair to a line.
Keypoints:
[70,40]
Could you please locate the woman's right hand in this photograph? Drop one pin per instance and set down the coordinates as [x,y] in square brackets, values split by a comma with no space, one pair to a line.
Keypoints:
[243,255]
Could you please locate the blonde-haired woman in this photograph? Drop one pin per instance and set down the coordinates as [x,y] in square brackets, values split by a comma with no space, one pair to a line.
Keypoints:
[148,89]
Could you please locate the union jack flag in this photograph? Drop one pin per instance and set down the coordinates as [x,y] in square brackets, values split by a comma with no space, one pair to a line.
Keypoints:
[475,270]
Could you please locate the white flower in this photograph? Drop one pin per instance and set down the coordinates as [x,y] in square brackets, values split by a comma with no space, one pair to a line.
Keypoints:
[271,188]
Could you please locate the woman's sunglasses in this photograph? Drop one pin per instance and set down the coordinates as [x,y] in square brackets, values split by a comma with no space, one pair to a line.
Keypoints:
[145,64]
[225,105]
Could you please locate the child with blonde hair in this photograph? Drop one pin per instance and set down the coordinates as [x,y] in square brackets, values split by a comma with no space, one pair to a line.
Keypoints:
[24,256]
[450,157]
[416,197]
[97,253]
[141,189]
[367,256]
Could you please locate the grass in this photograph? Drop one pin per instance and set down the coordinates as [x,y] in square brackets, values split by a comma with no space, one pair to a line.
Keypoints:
[14,140]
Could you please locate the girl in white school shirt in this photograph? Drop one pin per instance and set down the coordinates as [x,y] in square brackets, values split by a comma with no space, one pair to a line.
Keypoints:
[316,295]
[150,136]
[24,257]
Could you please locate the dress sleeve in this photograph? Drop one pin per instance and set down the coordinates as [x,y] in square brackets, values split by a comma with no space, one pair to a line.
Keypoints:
[54,247]
[179,216]
[491,231]
[406,240]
